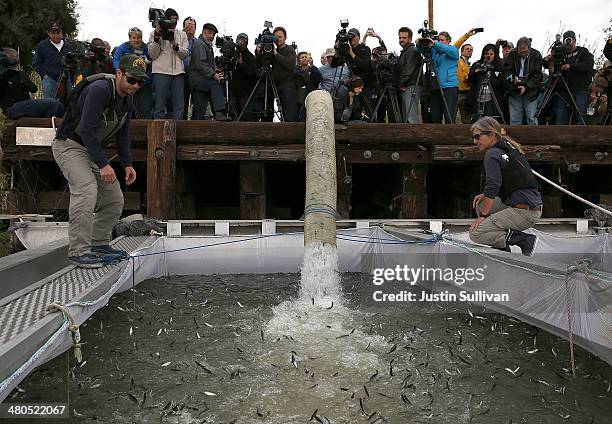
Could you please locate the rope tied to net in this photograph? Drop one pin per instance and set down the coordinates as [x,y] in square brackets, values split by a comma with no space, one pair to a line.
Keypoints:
[73,327]
[580,265]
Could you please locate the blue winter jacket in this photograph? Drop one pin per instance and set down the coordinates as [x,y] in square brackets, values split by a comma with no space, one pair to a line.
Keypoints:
[446,58]
[126,48]
[48,60]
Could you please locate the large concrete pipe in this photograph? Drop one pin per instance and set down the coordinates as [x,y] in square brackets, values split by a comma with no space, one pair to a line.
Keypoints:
[321,191]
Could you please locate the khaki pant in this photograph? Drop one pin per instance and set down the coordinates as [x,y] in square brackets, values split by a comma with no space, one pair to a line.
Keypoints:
[494,229]
[88,194]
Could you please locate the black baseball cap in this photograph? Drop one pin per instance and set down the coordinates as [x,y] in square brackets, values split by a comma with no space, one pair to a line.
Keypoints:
[354,31]
[134,65]
[55,26]
[569,34]
[170,12]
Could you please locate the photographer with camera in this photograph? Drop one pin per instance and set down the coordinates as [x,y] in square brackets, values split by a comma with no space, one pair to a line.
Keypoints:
[354,107]
[445,58]
[283,61]
[97,61]
[244,79]
[406,73]
[204,77]
[332,78]
[523,68]
[359,57]
[370,33]
[487,84]
[168,46]
[49,59]
[575,64]
[15,89]
[307,78]
[189,28]
[143,99]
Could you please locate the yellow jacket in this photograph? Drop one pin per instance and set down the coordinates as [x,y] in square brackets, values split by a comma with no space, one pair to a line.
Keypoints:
[463,69]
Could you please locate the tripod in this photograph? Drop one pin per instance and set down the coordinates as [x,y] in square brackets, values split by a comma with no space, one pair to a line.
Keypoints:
[388,91]
[65,84]
[229,106]
[485,86]
[550,92]
[268,80]
[432,71]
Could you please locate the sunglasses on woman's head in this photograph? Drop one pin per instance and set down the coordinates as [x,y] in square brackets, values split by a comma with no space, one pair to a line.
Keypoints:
[477,136]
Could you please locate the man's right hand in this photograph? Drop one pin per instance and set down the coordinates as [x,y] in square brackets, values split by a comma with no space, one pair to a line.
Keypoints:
[107,174]
[477,199]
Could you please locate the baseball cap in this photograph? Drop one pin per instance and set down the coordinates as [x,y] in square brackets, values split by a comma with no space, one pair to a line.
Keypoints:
[330,51]
[242,35]
[55,26]
[134,65]
[170,12]
[354,31]
[508,44]
[569,34]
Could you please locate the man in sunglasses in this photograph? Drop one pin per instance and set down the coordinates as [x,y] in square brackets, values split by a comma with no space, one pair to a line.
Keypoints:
[98,113]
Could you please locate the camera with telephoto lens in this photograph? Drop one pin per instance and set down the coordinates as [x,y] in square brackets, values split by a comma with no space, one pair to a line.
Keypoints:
[77,54]
[229,55]
[266,39]
[426,33]
[343,40]
[158,17]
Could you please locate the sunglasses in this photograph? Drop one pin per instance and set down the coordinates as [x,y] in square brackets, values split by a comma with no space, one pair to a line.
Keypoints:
[477,136]
[134,81]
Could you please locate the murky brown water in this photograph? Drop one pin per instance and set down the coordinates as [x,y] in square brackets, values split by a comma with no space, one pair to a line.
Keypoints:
[232,348]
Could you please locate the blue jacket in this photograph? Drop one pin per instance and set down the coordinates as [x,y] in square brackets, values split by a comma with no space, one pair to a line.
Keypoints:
[48,60]
[446,58]
[126,48]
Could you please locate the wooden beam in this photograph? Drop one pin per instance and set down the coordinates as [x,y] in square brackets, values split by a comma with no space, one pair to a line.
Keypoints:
[161,169]
[252,190]
[344,172]
[430,8]
[273,133]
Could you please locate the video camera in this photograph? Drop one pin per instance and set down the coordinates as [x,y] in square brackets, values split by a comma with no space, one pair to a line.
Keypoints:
[426,32]
[228,58]
[343,39]
[267,40]
[77,54]
[385,67]
[559,50]
[158,17]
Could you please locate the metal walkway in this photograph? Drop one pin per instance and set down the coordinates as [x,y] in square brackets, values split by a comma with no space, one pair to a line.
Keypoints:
[24,323]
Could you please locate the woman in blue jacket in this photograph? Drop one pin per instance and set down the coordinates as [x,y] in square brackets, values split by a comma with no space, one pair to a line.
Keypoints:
[445,58]
[143,99]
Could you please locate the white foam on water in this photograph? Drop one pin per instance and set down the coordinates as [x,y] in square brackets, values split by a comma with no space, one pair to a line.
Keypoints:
[320,277]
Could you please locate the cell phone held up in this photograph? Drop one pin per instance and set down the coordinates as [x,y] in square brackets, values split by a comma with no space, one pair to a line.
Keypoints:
[478,29]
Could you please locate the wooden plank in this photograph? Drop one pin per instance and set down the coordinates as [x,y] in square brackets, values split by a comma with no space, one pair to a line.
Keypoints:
[270,133]
[288,153]
[161,169]
[49,201]
[44,154]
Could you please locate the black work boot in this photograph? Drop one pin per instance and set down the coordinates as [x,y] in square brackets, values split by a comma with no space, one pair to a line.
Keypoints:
[222,116]
[527,242]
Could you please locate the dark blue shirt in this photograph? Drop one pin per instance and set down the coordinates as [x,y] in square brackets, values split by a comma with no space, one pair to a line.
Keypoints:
[91,105]
[48,60]
[495,160]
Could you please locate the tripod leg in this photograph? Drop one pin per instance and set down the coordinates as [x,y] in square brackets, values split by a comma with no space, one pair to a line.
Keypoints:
[496,103]
[574,104]
[277,98]
[546,98]
[397,112]
[444,103]
[249,99]
[375,111]
[413,94]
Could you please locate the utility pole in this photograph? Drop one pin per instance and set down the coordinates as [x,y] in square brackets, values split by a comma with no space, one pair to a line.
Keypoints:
[431,14]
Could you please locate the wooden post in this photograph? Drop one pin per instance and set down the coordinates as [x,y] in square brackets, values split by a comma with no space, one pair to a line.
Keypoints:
[161,169]
[252,190]
[551,197]
[345,185]
[430,6]
[414,196]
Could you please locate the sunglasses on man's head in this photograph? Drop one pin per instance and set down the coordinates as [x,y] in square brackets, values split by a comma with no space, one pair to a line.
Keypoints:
[135,29]
[477,136]
[134,81]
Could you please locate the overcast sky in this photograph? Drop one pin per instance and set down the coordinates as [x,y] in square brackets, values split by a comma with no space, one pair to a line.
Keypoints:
[313,24]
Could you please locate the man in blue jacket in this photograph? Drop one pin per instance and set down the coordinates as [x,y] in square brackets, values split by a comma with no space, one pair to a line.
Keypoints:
[48,59]
[445,58]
